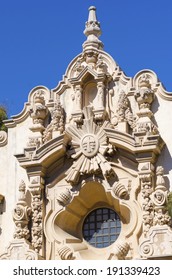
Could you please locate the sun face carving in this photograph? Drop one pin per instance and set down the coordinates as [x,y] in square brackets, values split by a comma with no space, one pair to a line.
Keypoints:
[88,146]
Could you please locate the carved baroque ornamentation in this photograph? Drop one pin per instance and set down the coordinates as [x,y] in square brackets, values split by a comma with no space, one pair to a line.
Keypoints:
[38,113]
[56,126]
[159,242]
[147,204]
[88,147]
[159,198]
[79,66]
[65,197]
[120,250]
[120,190]
[20,250]
[101,65]
[124,112]
[36,187]
[144,97]
[65,253]
[21,214]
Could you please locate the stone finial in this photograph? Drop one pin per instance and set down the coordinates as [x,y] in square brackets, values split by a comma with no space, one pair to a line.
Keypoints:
[92,31]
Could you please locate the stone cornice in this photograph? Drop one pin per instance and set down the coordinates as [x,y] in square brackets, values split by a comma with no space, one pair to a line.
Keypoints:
[45,155]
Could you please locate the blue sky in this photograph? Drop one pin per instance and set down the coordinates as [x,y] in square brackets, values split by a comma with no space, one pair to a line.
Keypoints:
[39,38]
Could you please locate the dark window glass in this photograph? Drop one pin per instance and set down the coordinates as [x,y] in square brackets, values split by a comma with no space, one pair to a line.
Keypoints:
[104,230]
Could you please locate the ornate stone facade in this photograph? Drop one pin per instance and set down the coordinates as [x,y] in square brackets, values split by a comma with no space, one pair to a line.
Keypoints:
[97,143]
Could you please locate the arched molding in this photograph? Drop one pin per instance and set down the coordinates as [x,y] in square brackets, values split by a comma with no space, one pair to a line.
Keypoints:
[65,221]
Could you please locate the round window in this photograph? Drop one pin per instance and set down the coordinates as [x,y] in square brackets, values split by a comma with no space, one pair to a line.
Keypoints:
[101,227]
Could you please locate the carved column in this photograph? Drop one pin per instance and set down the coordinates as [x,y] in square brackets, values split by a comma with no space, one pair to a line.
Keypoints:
[21,214]
[147,187]
[36,189]
[159,198]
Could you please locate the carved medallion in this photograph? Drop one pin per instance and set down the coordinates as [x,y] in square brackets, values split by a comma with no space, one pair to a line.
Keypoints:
[89,145]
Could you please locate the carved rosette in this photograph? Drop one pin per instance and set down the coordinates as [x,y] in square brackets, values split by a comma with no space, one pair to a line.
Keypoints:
[21,214]
[88,146]
[36,187]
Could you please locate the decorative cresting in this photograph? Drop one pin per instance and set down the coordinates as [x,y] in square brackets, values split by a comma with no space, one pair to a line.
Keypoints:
[21,214]
[88,146]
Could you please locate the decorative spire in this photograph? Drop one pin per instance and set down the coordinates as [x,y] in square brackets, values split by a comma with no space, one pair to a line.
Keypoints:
[92,31]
